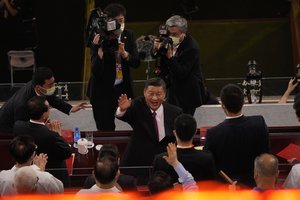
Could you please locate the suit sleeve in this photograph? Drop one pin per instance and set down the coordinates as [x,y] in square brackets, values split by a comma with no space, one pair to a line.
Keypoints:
[59,104]
[61,147]
[131,48]
[266,139]
[181,66]
[207,145]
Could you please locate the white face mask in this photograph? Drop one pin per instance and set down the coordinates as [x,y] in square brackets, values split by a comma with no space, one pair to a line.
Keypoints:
[176,40]
[50,91]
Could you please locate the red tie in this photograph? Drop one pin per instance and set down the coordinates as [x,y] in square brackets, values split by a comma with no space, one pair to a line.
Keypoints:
[155,125]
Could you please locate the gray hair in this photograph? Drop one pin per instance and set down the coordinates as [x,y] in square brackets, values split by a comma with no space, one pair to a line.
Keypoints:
[25,180]
[266,165]
[177,21]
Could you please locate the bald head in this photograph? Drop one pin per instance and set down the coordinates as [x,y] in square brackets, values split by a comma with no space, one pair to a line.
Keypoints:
[25,180]
[266,165]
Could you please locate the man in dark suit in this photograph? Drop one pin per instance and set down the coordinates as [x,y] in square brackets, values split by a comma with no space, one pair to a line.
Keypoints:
[152,121]
[42,84]
[180,67]
[111,59]
[199,163]
[237,140]
[48,140]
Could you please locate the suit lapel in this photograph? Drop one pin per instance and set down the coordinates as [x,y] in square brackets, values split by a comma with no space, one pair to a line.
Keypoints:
[167,120]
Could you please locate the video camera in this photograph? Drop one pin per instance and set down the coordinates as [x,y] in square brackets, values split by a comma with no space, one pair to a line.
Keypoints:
[164,38]
[108,28]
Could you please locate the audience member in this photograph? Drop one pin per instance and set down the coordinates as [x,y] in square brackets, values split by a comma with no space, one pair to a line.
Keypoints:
[111,60]
[152,121]
[49,139]
[293,178]
[106,174]
[25,180]
[42,84]
[265,172]
[199,163]
[126,182]
[161,181]
[237,140]
[291,87]
[22,149]
[180,67]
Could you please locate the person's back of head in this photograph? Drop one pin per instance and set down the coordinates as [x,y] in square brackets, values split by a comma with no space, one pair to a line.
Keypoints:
[185,127]
[113,10]
[36,107]
[25,180]
[178,21]
[232,98]
[106,170]
[109,150]
[157,82]
[40,75]
[266,170]
[160,181]
[22,148]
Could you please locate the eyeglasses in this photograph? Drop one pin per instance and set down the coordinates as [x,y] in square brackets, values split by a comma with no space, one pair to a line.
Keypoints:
[35,148]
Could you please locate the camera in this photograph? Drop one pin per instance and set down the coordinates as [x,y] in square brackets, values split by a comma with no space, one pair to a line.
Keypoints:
[164,38]
[108,28]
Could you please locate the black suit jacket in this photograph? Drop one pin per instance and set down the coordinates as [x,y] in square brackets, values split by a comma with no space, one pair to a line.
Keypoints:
[199,163]
[183,74]
[15,108]
[49,142]
[102,92]
[235,143]
[143,144]
[101,83]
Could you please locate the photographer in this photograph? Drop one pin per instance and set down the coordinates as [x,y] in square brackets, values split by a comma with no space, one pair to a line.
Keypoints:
[180,66]
[113,52]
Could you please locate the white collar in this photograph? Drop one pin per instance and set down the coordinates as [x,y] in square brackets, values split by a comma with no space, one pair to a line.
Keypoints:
[159,111]
[35,122]
[234,116]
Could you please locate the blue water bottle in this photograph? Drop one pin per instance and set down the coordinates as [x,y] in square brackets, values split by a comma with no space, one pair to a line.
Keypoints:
[77,136]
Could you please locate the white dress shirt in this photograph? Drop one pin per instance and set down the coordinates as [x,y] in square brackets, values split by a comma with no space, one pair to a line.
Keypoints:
[159,119]
[293,179]
[47,183]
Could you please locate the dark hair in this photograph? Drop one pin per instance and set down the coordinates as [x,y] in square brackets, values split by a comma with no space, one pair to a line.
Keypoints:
[36,107]
[296,105]
[21,148]
[232,97]
[155,82]
[40,75]
[160,181]
[185,126]
[109,150]
[115,9]
[106,169]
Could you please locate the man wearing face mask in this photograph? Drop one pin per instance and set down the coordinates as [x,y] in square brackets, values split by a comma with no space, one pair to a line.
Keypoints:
[110,75]
[42,84]
[47,136]
[180,67]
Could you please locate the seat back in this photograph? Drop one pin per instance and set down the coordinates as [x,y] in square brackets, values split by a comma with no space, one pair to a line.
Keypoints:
[20,60]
